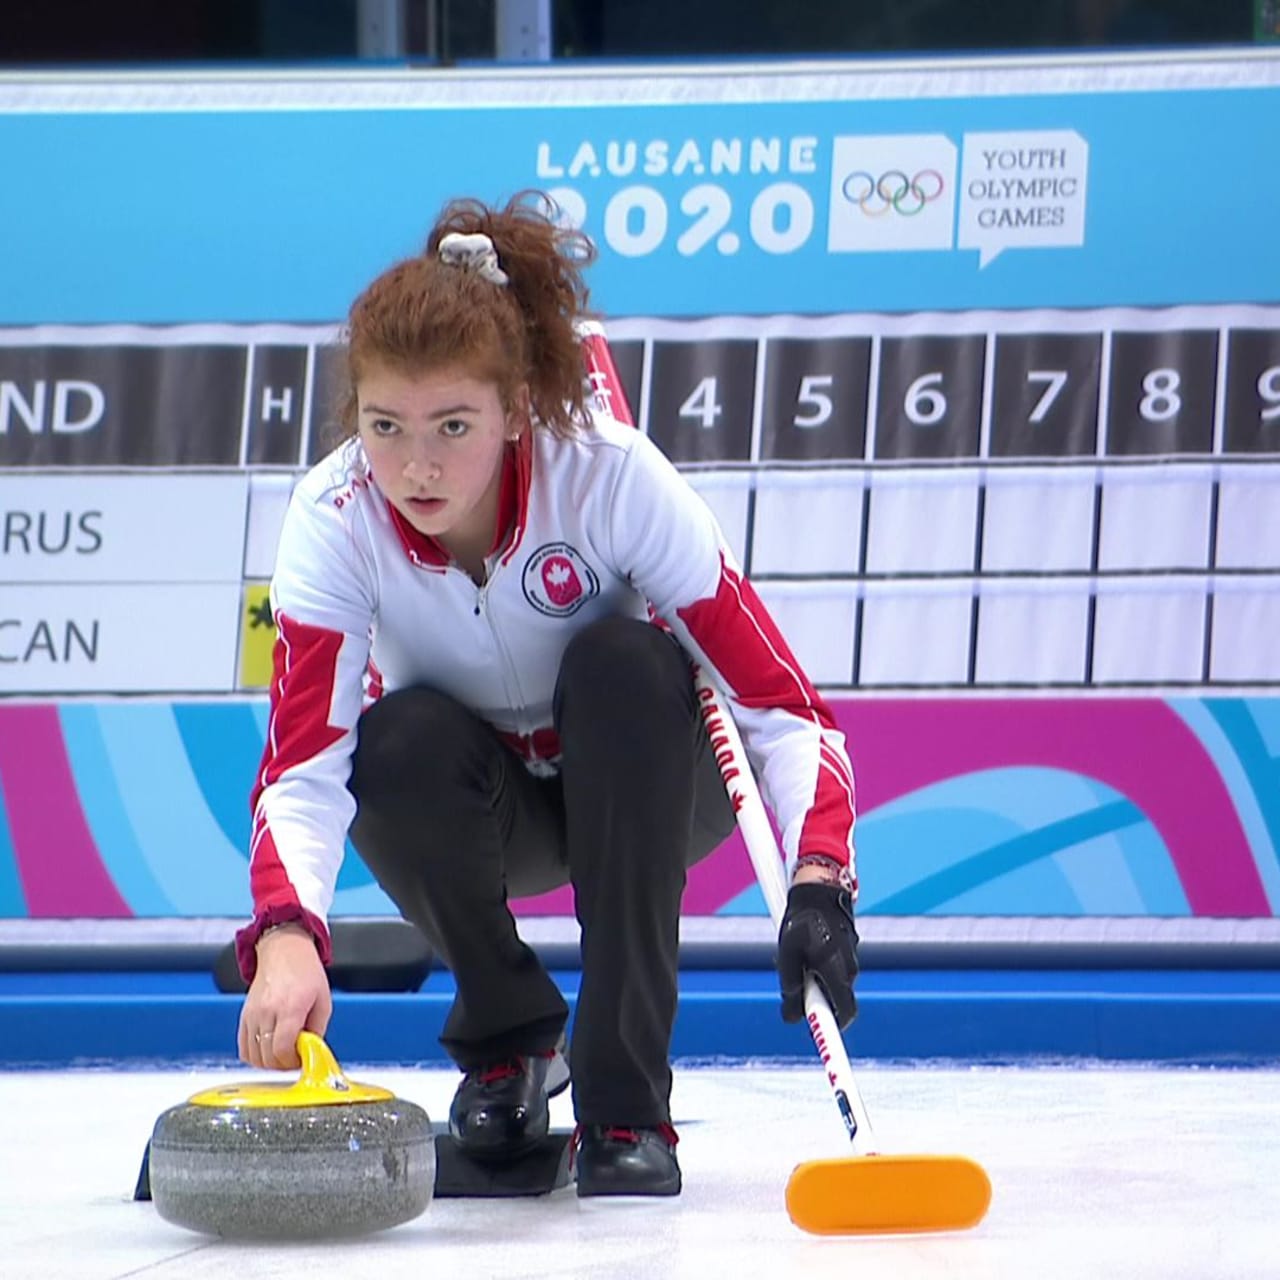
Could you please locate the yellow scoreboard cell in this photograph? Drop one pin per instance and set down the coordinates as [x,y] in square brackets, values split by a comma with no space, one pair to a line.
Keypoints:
[257,636]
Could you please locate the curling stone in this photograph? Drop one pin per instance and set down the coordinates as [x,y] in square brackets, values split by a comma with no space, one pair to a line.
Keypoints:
[323,1156]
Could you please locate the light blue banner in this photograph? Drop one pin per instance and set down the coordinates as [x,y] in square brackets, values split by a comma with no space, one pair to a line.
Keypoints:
[1143,198]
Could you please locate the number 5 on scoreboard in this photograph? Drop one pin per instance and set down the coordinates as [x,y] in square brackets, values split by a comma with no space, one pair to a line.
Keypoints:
[817,403]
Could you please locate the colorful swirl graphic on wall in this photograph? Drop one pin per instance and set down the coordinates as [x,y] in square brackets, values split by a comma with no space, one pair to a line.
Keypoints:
[999,806]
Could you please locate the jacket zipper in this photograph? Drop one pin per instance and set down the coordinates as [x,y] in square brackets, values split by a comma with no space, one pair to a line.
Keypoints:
[510,679]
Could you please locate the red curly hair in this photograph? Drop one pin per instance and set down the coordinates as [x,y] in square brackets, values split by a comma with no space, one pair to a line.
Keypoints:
[422,314]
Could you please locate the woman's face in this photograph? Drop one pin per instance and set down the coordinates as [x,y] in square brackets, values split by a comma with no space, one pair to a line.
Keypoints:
[435,443]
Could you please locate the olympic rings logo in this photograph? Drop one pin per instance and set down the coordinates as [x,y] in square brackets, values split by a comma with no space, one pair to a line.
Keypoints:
[892,190]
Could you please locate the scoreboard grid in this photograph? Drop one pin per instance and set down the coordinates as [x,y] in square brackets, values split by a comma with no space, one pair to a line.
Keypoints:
[937,501]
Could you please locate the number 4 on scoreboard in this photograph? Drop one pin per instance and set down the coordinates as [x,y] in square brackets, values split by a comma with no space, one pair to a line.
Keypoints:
[701,405]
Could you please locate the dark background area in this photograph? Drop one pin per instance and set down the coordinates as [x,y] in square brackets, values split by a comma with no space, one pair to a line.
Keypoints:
[52,33]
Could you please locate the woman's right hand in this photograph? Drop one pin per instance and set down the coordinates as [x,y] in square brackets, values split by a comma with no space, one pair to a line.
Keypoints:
[289,994]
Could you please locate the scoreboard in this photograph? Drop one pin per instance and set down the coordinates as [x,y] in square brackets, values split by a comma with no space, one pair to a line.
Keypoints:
[1066,499]
[953,500]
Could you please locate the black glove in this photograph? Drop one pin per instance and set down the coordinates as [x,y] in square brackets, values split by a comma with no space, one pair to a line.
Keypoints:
[817,936]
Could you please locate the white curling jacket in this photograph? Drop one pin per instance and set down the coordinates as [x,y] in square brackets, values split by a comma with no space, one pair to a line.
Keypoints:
[603,525]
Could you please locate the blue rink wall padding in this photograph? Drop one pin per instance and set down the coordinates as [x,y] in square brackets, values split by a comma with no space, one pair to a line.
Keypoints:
[1211,1018]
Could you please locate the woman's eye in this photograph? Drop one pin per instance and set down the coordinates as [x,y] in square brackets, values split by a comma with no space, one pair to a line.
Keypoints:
[454,427]
[384,427]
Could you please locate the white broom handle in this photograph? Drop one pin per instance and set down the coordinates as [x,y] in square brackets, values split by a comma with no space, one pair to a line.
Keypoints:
[757,834]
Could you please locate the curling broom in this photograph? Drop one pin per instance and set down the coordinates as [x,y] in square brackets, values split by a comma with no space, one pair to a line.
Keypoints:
[867,1192]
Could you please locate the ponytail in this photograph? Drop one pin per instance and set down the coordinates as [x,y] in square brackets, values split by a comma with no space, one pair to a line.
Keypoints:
[544,265]
[428,312]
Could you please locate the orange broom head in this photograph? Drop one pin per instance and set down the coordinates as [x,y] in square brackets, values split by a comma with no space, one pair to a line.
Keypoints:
[879,1194]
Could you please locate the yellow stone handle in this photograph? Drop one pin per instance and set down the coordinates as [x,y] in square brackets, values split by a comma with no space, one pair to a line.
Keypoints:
[322,1083]
[320,1068]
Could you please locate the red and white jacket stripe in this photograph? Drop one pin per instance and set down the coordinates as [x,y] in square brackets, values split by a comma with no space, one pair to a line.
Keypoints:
[603,525]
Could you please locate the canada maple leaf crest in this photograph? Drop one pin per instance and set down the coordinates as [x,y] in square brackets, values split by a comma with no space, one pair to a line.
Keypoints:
[560,580]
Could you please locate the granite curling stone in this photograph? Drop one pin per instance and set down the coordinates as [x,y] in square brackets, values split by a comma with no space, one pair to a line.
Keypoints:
[322,1157]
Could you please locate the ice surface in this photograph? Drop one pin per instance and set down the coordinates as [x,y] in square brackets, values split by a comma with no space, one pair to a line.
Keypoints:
[1097,1172]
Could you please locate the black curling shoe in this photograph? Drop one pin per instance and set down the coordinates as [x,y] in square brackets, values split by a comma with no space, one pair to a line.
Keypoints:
[613,1160]
[500,1112]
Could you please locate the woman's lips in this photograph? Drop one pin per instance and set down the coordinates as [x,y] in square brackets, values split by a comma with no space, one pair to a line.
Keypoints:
[425,506]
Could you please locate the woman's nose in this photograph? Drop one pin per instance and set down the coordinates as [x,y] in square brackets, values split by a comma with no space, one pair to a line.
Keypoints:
[420,466]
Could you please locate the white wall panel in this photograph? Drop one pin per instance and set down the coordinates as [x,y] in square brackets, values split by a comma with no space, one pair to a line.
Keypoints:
[1246,631]
[922,522]
[268,502]
[122,528]
[1039,520]
[1155,519]
[916,633]
[1029,634]
[1249,518]
[1149,630]
[168,638]
[807,522]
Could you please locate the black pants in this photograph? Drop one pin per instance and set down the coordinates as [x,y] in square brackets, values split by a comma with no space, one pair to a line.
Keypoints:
[452,824]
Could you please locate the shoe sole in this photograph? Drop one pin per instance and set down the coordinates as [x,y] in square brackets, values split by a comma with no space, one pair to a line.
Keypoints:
[628,1193]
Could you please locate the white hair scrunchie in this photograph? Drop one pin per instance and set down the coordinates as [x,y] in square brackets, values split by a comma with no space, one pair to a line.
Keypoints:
[473,252]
